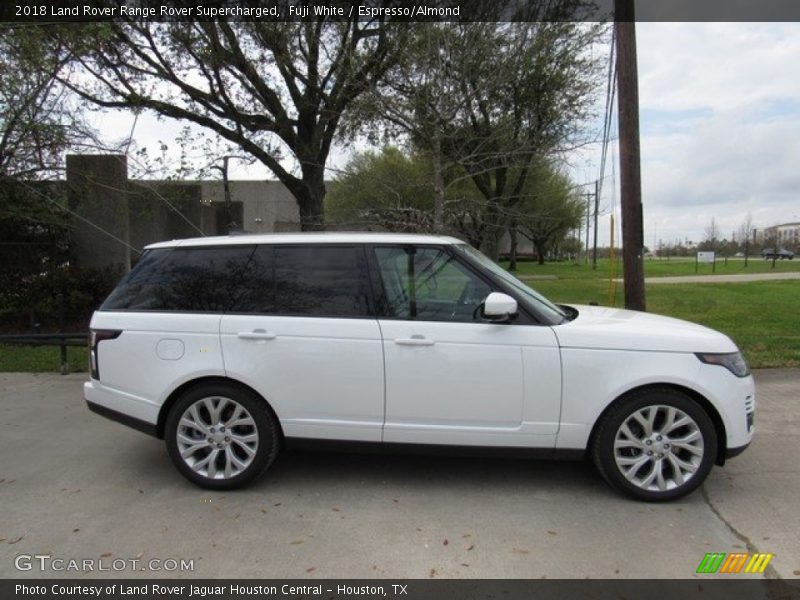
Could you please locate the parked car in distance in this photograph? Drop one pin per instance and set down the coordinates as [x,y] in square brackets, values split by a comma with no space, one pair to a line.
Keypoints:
[780,254]
[232,348]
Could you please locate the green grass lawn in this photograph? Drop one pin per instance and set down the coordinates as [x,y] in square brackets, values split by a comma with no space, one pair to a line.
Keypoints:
[40,359]
[760,316]
[656,268]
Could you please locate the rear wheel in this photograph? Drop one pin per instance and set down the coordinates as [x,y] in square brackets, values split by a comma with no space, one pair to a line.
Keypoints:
[655,445]
[221,436]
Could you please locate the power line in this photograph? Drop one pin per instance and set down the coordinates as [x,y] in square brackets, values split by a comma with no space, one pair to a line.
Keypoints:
[611,87]
[79,217]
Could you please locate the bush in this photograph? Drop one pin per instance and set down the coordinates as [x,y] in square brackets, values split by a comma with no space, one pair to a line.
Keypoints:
[39,301]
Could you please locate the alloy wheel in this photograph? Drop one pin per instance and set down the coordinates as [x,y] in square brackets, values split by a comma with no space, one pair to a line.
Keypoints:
[217,437]
[658,448]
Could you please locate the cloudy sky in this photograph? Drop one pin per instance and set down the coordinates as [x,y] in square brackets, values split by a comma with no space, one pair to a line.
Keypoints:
[720,126]
[720,122]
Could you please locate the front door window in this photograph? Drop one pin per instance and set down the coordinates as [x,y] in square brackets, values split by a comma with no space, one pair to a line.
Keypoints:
[428,284]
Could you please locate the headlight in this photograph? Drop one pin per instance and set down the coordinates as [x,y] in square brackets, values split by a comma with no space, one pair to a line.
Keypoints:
[733,361]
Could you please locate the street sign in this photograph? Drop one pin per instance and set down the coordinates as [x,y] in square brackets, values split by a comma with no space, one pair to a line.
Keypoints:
[705,257]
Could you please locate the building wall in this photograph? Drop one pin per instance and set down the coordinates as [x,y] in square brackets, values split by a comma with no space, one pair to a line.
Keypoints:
[787,234]
[268,206]
[97,191]
[143,212]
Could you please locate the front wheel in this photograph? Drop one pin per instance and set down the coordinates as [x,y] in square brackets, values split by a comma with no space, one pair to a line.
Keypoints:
[656,445]
[221,436]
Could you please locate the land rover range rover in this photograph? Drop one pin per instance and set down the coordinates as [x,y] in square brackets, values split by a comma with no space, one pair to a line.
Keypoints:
[232,348]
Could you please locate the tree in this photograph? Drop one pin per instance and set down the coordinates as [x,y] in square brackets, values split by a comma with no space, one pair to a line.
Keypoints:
[550,208]
[395,192]
[386,190]
[572,246]
[276,90]
[744,235]
[527,90]
[491,98]
[415,101]
[37,124]
[37,121]
[711,236]
[772,243]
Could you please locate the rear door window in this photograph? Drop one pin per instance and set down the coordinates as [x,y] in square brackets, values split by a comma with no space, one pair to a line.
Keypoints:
[203,279]
[321,281]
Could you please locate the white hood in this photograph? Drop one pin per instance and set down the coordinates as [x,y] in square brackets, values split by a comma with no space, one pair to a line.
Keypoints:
[617,329]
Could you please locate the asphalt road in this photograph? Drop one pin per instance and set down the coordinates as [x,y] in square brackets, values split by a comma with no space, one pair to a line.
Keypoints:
[74,485]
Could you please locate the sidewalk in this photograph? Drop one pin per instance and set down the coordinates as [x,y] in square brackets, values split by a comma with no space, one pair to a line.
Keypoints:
[722,278]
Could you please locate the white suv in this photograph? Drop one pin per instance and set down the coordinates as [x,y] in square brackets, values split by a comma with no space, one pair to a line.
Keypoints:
[231,348]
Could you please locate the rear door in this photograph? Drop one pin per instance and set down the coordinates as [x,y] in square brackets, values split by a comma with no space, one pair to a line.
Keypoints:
[452,378]
[304,335]
[168,309]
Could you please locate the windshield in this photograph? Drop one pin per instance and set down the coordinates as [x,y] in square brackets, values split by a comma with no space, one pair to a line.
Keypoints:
[556,314]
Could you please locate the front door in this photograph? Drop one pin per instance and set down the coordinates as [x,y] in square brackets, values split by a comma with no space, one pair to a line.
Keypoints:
[451,377]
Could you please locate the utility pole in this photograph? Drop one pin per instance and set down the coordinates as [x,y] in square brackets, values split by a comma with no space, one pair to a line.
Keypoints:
[596,210]
[588,216]
[629,161]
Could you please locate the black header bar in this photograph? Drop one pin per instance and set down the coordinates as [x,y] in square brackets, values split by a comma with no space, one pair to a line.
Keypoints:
[703,588]
[409,11]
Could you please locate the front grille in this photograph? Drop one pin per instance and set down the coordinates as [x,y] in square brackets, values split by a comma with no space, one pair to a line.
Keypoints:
[749,405]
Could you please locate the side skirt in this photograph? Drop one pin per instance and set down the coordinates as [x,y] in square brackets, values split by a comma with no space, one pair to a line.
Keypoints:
[315,445]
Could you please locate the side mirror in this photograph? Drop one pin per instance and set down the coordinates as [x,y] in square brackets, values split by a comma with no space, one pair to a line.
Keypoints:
[499,307]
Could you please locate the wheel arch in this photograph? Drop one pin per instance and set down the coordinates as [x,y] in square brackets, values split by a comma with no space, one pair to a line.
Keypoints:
[705,404]
[207,380]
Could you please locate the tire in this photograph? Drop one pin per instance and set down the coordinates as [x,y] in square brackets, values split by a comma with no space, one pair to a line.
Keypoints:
[680,457]
[221,436]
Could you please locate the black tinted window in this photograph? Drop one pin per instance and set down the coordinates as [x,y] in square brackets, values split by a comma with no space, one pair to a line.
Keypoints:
[279,280]
[320,281]
[428,284]
[184,279]
[258,288]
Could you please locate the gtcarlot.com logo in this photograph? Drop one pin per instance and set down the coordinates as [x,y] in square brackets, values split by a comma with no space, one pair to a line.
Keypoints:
[736,562]
[47,562]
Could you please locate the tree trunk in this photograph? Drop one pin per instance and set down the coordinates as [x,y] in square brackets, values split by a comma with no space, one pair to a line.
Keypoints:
[493,230]
[512,233]
[310,196]
[438,183]
[541,251]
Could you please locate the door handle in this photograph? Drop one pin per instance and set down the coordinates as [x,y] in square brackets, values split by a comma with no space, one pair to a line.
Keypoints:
[258,334]
[414,340]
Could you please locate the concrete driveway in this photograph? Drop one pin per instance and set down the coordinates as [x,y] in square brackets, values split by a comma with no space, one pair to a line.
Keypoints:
[76,486]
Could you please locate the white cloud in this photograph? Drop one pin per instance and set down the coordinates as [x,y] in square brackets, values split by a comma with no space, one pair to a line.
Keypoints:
[720,126]
[721,66]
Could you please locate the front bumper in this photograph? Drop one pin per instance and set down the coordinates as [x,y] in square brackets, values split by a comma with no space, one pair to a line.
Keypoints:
[734,452]
[734,399]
